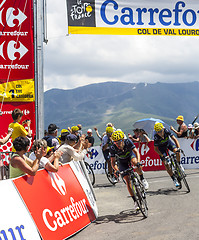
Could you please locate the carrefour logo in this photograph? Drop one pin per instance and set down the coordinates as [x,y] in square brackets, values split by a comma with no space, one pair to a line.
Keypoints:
[93,153]
[58,183]
[195,145]
[12,49]
[11,15]
[112,13]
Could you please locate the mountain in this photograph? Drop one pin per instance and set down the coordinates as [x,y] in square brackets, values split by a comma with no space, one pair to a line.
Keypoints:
[120,103]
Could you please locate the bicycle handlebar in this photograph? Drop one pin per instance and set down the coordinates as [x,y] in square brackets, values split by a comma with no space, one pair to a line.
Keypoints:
[180,150]
[127,170]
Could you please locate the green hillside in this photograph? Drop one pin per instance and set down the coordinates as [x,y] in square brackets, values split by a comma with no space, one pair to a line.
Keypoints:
[121,104]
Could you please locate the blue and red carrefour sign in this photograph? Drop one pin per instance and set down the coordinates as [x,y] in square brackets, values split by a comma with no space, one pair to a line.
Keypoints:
[195,145]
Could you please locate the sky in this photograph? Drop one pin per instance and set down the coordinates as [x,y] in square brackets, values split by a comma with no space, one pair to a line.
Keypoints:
[77,60]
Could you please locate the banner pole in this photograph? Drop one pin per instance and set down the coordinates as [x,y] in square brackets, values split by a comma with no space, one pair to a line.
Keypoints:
[39,86]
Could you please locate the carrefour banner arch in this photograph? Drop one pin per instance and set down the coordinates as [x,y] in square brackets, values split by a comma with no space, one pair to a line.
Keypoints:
[133,17]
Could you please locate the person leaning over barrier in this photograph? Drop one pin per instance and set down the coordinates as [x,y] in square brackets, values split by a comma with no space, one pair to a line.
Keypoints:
[68,150]
[196,130]
[182,129]
[20,164]
[46,162]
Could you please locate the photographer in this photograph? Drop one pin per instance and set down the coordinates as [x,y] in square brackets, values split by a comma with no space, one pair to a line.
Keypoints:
[18,129]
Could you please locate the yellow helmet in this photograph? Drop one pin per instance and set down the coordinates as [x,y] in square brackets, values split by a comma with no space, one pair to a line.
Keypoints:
[74,129]
[158,127]
[109,130]
[117,136]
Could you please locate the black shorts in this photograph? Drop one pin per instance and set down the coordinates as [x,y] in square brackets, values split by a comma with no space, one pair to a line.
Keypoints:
[125,164]
[163,149]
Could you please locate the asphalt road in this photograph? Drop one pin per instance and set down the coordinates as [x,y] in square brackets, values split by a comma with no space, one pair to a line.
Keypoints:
[173,214]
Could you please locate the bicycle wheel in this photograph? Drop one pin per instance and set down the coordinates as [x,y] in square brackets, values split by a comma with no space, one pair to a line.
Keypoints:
[182,176]
[176,171]
[140,196]
[90,173]
[108,174]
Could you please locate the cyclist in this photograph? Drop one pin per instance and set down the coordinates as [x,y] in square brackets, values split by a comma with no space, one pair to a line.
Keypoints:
[127,154]
[106,143]
[163,142]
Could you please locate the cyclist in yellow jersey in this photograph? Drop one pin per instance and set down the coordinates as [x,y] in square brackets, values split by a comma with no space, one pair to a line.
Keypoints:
[18,129]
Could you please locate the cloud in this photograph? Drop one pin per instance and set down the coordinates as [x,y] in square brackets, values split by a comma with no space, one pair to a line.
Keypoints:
[77,60]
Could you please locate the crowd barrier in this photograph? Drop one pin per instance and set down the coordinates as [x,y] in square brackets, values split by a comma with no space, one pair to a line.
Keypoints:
[149,158]
[48,206]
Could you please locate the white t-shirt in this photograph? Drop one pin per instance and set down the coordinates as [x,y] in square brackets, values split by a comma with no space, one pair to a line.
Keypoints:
[69,153]
[43,160]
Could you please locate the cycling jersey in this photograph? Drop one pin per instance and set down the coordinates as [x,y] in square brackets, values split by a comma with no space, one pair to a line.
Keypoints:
[126,153]
[106,140]
[124,156]
[164,143]
[159,141]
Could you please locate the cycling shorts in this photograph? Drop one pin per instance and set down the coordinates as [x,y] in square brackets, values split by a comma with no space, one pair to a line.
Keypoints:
[125,164]
[163,149]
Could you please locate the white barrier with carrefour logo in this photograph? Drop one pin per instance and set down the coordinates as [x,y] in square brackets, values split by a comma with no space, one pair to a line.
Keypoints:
[54,205]
[96,160]
[149,158]
[191,150]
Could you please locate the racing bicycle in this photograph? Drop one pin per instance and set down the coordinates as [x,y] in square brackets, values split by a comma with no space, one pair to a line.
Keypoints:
[138,191]
[113,179]
[177,169]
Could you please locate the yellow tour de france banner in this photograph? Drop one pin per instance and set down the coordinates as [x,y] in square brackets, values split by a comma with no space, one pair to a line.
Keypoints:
[18,91]
[134,17]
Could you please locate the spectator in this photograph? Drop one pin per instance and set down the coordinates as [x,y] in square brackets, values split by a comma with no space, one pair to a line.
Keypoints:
[18,129]
[99,136]
[196,130]
[143,136]
[69,152]
[90,138]
[46,162]
[51,137]
[20,164]
[135,137]
[80,129]
[74,130]
[182,129]
[63,133]
[6,138]
[190,131]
